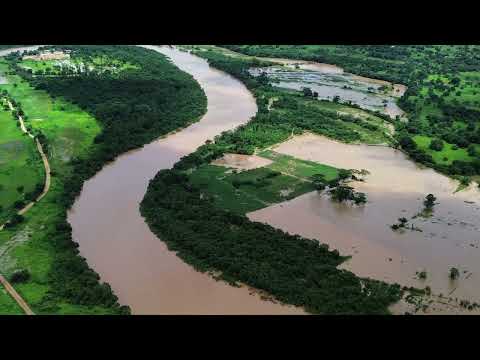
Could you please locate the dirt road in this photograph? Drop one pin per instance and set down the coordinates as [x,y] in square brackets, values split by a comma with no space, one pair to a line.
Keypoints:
[16,296]
[45,164]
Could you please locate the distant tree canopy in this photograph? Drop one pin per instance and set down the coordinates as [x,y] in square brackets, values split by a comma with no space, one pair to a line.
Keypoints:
[134,107]
[437,77]
[293,269]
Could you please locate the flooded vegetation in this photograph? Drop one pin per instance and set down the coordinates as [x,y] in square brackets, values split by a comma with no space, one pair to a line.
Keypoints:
[214,238]
[106,219]
[188,248]
[396,187]
[332,83]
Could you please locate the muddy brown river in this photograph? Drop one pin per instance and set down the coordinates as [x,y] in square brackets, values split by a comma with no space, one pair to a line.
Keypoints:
[145,275]
[395,188]
[117,242]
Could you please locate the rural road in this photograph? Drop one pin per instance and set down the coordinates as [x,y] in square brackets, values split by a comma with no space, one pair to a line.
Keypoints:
[45,164]
[16,296]
[46,187]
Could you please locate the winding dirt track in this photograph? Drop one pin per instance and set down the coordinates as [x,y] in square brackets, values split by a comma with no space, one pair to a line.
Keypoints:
[27,207]
[46,165]
[16,296]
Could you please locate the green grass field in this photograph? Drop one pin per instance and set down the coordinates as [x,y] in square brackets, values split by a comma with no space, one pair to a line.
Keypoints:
[380,136]
[212,179]
[69,129]
[8,306]
[466,92]
[296,167]
[245,191]
[20,164]
[447,155]
[70,133]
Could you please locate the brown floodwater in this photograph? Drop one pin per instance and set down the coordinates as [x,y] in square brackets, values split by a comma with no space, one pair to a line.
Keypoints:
[117,242]
[395,188]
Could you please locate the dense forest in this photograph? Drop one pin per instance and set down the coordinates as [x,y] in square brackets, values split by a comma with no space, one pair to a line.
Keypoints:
[442,101]
[134,107]
[292,269]
[404,64]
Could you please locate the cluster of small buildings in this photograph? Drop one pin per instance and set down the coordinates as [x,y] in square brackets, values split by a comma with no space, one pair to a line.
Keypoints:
[51,55]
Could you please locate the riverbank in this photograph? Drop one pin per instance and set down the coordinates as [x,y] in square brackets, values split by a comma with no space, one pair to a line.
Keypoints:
[19,300]
[445,240]
[46,166]
[21,169]
[43,244]
[173,286]
[249,252]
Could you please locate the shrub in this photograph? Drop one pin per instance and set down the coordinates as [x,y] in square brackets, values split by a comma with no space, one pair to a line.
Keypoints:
[20,276]
[436,145]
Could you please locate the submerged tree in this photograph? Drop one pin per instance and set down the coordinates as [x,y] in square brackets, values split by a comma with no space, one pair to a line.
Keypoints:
[454,273]
[307,92]
[360,198]
[422,275]
[429,201]
[403,221]
[342,193]
[436,145]
[319,182]
[344,174]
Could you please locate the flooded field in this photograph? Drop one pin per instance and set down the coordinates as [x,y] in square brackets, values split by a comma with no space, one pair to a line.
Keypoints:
[330,81]
[144,274]
[396,187]
[117,242]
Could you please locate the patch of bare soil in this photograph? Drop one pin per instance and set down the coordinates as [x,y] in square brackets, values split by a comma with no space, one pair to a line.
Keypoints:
[242,162]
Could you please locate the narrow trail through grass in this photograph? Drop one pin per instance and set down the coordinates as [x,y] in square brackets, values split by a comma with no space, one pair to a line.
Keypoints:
[13,293]
[45,164]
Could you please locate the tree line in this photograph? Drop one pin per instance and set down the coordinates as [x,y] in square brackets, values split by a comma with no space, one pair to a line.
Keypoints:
[134,107]
[410,65]
[293,269]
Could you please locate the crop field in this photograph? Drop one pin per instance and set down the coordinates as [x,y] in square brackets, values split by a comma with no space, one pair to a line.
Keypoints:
[245,191]
[70,129]
[447,155]
[21,168]
[299,168]
[8,306]
[463,88]
[70,132]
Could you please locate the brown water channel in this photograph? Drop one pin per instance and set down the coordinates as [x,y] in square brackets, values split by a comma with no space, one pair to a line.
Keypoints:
[395,188]
[118,244]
